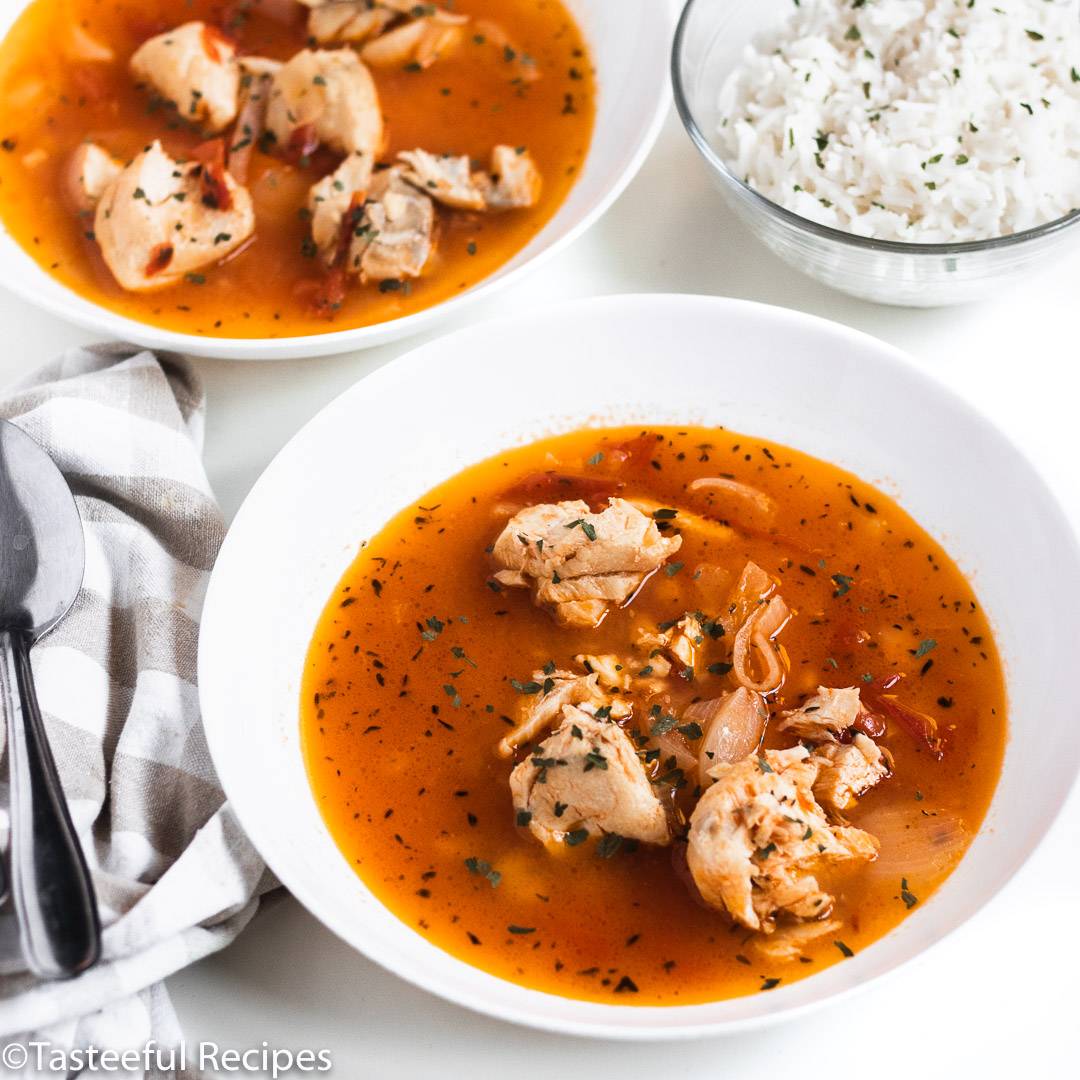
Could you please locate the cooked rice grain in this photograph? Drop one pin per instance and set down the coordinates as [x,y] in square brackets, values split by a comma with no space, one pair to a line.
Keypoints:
[923,120]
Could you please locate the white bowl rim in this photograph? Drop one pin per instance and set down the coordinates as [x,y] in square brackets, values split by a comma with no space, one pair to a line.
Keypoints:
[101,320]
[884,355]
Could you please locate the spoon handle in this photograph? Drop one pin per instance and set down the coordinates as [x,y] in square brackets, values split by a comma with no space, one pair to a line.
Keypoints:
[54,897]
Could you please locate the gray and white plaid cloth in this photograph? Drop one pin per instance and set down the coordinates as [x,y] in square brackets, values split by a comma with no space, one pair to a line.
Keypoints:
[175,876]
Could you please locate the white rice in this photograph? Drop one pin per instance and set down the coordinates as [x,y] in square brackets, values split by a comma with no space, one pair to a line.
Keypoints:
[923,120]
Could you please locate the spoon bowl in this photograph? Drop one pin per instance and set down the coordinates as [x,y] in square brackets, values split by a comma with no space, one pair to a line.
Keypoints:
[42,557]
[41,539]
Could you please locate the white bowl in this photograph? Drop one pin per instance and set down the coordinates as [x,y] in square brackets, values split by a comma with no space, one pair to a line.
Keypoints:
[629,40]
[768,372]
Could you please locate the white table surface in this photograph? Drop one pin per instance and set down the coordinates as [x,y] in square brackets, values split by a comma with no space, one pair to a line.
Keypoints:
[996,998]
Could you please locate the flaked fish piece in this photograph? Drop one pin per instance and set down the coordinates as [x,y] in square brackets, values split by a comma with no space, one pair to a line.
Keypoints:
[445,178]
[681,642]
[824,715]
[194,68]
[160,220]
[625,674]
[847,771]
[553,692]
[332,198]
[511,181]
[328,94]
[577,562]
[686,638]
[587,775]
[758,835]
[258,66]
[87,175]
[335,22]
[419,42]
[609,670]
[396,234]
[790,942]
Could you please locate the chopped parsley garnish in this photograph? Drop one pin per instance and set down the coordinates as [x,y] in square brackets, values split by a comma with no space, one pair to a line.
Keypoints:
[843,583]
[595,760]
[578,836]
[691,730]
[596,458]
[526,688]
[522,929]
[484,869]
[909,898]
[924,647]
[844,949]
[663,725]
[609,845]
[586,527]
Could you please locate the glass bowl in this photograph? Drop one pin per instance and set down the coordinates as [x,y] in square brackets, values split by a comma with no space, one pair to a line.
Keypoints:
[709,43]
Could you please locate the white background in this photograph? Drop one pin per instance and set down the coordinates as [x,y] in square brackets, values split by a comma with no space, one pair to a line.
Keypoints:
[997,998]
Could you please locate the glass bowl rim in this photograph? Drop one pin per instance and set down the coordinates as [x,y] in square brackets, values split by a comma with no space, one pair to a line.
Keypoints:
[827,232]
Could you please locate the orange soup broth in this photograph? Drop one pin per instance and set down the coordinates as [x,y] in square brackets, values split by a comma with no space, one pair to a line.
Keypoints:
[465,103]
[399,729]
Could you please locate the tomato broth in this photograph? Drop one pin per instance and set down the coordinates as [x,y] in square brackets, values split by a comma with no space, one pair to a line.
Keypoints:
[417,667]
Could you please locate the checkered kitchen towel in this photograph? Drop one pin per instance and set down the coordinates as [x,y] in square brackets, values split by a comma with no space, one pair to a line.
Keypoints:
[176,878]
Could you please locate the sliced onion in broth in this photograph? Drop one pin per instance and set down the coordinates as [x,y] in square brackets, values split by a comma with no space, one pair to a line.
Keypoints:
[732,724]
[754,642]
[915,844]
[758,499]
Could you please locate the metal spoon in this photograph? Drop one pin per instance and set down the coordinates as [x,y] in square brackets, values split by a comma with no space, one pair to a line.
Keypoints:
[41,569]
